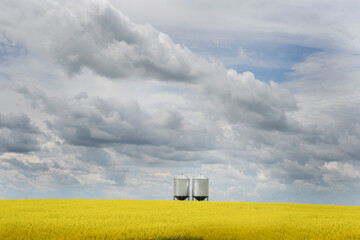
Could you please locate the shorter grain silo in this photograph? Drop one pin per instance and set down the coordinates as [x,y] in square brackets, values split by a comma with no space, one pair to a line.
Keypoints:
[181,187]
[200,188]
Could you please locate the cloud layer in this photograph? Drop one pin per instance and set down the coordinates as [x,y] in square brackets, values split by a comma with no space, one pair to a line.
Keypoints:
[94,105]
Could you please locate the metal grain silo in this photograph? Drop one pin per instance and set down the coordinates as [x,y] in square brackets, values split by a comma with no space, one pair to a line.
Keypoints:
[200,188]
[181,187]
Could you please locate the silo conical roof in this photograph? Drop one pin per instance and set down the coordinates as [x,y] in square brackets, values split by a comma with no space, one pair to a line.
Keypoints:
[200,176]
[181,176]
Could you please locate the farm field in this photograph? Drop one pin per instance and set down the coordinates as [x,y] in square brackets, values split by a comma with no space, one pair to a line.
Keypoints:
[140,219]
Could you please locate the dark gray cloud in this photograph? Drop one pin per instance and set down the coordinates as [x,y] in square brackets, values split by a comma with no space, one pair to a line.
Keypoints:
[95,156]
[29,173]
[20,121]
[18,134]
[100,123]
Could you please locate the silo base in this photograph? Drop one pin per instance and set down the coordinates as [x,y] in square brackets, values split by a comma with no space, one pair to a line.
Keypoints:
[201,198]
[181,198]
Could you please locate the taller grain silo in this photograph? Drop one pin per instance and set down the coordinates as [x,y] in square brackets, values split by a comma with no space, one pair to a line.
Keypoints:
[200,188]
[181,187]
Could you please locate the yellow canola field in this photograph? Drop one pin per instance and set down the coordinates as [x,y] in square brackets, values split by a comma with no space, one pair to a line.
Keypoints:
[136,219]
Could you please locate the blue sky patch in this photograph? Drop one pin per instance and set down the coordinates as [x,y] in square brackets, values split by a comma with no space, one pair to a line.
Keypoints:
[267,59]
[10,49]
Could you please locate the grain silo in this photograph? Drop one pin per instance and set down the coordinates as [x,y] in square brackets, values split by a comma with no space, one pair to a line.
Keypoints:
[181,187]
[200,188]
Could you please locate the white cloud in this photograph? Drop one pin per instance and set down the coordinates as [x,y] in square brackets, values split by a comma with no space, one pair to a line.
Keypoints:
[97,36]
[338,171]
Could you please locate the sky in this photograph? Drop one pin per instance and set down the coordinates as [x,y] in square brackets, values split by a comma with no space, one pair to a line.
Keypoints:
[112,99]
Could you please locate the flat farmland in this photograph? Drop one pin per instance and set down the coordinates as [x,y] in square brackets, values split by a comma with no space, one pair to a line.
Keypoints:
[140,219]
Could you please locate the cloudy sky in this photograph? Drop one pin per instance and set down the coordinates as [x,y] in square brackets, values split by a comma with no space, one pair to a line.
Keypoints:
[111,99]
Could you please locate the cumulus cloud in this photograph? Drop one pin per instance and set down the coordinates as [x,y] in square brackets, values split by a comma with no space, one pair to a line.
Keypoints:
[99,122]
[113,46]
[18,134]
[32,176]
[97,36]
[26,172]
[240,98]
[257,141]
